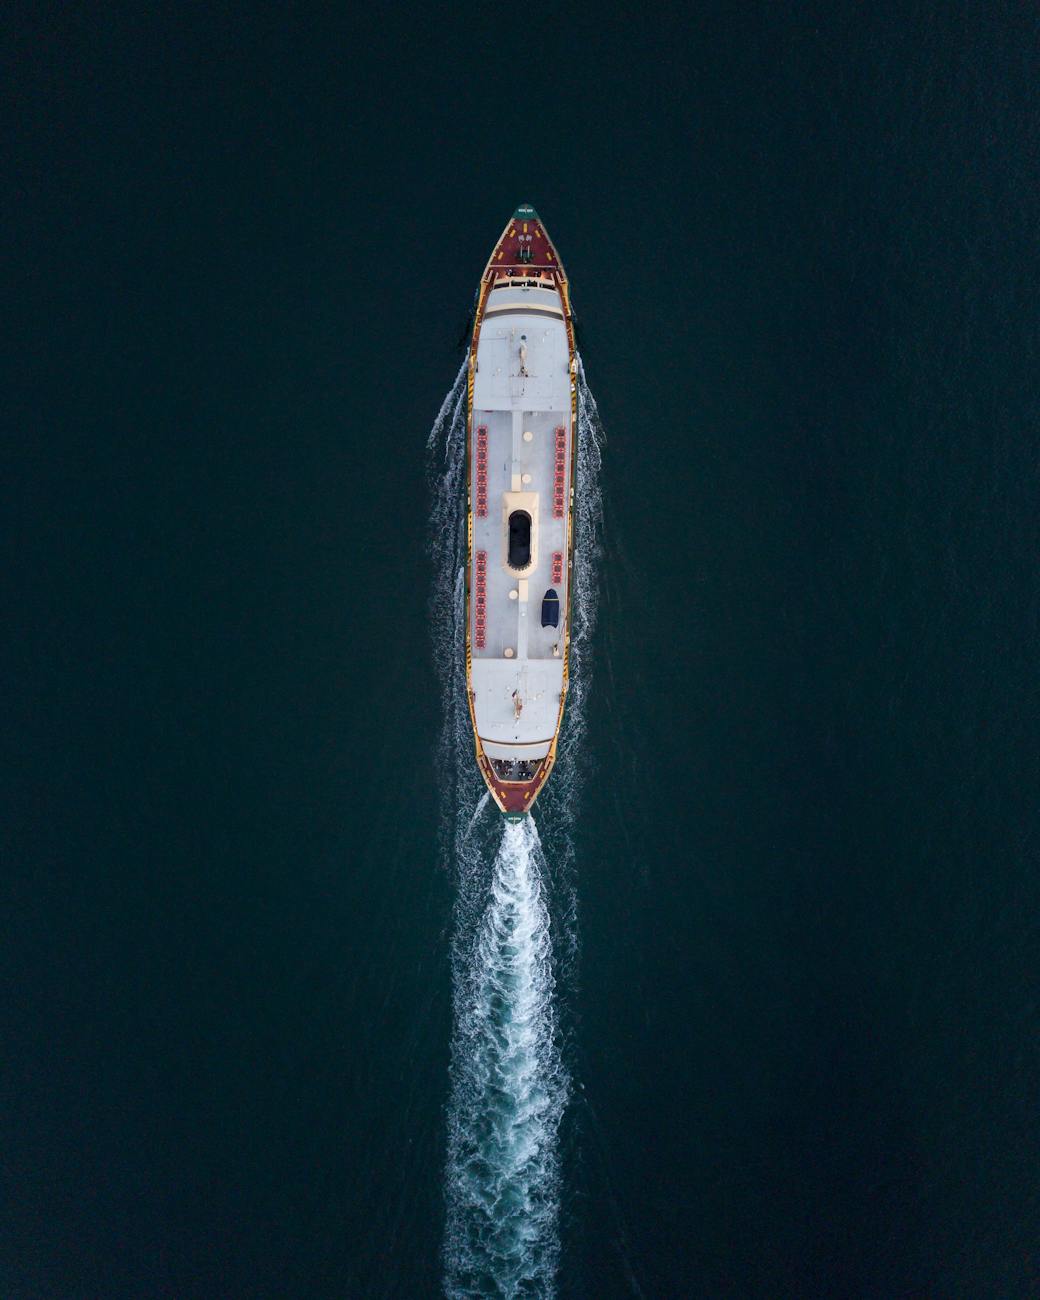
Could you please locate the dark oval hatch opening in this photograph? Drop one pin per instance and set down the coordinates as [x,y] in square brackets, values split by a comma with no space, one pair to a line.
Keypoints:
[519,539]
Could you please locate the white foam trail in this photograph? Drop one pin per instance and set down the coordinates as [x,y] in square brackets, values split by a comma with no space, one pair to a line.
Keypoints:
[509,1089]
[509,1084]
[446,468]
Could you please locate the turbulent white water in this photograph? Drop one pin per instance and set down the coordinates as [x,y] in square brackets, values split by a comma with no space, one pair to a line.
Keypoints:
[515,901]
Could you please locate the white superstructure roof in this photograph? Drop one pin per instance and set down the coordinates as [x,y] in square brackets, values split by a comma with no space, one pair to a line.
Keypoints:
[521,398]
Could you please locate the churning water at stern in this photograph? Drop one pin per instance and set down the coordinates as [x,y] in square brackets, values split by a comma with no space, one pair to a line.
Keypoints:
[509,1088]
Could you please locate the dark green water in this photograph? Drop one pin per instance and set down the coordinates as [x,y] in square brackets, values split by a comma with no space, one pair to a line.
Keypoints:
[802,1023]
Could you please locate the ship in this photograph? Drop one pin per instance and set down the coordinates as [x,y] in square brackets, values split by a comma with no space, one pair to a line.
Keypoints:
[521,463]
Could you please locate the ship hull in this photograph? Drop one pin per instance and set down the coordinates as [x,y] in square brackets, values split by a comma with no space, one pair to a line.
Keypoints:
[521,458]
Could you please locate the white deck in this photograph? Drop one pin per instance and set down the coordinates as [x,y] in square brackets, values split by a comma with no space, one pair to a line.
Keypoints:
[510,403]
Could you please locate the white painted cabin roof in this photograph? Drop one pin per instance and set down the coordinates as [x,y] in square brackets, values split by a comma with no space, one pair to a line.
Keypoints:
[510,404]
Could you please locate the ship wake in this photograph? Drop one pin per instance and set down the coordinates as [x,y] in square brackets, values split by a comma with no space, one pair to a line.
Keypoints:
[514,941]
[509,1087]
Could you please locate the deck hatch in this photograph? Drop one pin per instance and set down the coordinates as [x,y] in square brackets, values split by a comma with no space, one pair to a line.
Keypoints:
[519,539]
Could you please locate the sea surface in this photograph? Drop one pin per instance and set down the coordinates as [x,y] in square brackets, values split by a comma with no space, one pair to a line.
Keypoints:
[750,1008]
